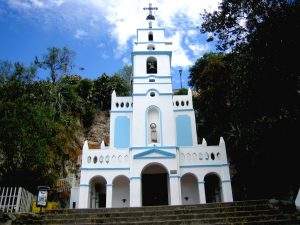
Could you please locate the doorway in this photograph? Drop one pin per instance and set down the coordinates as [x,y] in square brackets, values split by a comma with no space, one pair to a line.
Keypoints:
[155,185]
[213,188]
[97,192]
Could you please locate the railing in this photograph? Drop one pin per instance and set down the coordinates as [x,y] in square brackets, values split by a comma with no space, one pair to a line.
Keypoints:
[182,102]
[105,158]
[209,155]
[15,199]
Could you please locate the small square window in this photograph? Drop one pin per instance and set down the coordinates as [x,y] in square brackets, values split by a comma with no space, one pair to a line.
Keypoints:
[151,80]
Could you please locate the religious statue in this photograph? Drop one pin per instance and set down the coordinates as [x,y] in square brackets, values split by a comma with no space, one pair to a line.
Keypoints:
[153,132]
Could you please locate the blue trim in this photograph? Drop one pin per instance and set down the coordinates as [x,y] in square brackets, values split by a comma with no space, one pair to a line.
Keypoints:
[195,166]
[135,178]
[180,110]
[164,155]
[149,76]
[151,83]
[151,29]
[175,176]
[158,157]
[152,53]
[153,42]
[151,147]
[224,181]
[121,111]
[112,168]
[145,94]
[84,185]
[184,135]
[122,132]
[200,182]
[109,185]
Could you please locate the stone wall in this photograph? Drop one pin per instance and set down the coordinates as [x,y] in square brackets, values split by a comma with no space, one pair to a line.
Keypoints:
[99,130]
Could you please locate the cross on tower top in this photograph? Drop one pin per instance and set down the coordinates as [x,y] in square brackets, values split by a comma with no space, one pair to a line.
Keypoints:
[150,8]
[150,17]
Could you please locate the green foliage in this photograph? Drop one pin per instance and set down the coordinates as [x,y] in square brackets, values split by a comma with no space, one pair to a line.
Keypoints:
[59,61]
[104,86]
[125,73]
[250,94]
[40,120]
[181,91]
[210,77]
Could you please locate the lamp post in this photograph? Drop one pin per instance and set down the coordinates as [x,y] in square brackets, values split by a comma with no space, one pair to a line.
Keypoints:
[180,73]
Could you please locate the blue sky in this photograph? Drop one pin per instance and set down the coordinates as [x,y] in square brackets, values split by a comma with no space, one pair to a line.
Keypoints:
[101,32]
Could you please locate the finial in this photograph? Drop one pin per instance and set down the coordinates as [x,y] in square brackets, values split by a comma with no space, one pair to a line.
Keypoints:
[204,143]
[85,146]
[102,145]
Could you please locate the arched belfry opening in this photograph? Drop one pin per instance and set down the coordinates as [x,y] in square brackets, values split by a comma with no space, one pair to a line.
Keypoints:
[97,192]
[153,125]
[150,36]
[155,185]
[151,65]
[213,188]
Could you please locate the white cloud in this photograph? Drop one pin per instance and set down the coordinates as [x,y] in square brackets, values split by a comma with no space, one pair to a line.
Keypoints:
[124,17]
[198,49]
[80,34]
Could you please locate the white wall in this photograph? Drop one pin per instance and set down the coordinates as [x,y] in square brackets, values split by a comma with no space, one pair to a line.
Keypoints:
[74,196]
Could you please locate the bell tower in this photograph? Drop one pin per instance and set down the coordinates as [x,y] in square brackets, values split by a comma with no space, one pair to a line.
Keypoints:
[152,86]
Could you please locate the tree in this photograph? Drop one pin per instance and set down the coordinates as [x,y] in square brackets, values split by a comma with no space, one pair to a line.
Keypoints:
[35,145]
[125,73]
[104,86]
[59,61]
[262,92]
[181,91]
[236,20]
[210,77]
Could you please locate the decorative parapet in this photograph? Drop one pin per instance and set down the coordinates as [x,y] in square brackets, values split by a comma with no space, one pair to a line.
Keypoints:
[183,102]
[121,103]
[204,155]
[105,159]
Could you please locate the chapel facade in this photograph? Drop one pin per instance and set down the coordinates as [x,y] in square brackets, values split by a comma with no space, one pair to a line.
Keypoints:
[154,157]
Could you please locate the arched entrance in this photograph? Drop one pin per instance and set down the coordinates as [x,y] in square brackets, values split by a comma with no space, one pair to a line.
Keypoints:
[189,189]
[97,192]
[155,185]
[120,192]
[213,188]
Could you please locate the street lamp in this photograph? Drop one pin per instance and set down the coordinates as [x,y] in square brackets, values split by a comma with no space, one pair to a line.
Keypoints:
[180,73]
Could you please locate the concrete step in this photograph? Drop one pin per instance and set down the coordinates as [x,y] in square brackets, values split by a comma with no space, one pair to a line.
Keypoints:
[248,212]
[168,211]
[213,218]
[158,208]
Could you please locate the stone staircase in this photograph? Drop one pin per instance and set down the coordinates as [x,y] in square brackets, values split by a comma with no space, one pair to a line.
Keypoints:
[263,212]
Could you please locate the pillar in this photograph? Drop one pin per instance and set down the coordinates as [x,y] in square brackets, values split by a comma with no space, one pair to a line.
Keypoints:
[108,195]
[227,191]
[135,192]
[201,188]
[83,196]
[175,190]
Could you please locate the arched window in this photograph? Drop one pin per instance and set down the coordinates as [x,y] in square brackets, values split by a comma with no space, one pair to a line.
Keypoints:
[150,36]
[151,65]
[153,124]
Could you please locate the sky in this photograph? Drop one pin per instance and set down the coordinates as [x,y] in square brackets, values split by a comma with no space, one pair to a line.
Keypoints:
[101,32]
